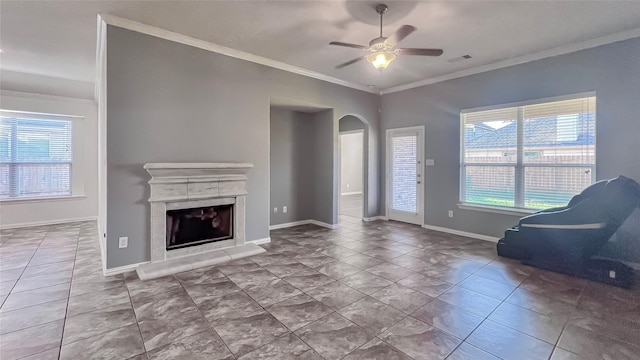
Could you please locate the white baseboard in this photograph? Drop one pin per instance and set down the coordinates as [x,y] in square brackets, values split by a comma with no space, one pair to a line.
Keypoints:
[462,233]
[303,222]
[374,218]
[260,241]
[289,224]
[351,193]
[50,222]
[323,224]
[122,269]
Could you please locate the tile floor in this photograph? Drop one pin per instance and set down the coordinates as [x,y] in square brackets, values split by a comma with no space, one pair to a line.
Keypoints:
[351,205]
[379,290]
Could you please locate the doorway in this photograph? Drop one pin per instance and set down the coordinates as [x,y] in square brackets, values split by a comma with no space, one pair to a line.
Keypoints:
[351,173]
[404,174]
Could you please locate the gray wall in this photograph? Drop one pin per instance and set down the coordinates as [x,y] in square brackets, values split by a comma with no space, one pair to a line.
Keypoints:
[613,71]
[291,165]
[351,156]
[171,102]
[350,123]
[325,168]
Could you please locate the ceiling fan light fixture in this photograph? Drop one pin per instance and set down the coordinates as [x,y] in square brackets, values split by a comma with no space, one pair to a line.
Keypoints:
[381,59]
[383,50]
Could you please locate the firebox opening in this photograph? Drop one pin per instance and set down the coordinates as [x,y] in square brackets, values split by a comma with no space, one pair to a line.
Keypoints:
[188,227]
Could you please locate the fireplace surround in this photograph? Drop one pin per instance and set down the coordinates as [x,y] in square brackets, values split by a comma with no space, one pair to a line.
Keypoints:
[211,198]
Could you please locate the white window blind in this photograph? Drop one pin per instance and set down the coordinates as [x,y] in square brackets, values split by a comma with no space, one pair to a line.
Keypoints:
[534,156]
[404,173]
[35,155]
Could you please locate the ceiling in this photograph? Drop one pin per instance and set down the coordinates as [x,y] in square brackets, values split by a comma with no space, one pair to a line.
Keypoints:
[58,38]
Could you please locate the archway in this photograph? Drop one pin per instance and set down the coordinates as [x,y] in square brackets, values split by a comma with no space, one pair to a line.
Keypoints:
[352,168]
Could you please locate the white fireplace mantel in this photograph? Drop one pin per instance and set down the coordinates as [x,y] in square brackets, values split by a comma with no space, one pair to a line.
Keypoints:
[189,181]
[191,185]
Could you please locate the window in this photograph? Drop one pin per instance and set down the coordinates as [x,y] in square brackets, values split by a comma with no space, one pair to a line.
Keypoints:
[35,155]
[531,156]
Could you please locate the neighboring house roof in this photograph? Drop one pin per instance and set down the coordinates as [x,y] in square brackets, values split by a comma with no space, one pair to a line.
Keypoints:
[539,133]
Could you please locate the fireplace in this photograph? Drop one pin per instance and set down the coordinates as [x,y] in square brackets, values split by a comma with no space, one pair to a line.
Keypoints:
[197,226]
[197,213]
[196,208]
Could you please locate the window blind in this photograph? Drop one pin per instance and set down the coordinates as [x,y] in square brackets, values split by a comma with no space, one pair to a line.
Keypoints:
[533,156]
[35,155]
[403,167]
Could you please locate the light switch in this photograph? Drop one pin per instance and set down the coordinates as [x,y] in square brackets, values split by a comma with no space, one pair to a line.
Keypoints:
[429,162]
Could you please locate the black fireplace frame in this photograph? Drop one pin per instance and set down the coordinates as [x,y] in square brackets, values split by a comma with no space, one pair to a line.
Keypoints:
[204,241]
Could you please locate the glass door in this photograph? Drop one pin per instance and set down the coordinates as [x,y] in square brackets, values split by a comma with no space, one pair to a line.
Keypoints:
[404,175]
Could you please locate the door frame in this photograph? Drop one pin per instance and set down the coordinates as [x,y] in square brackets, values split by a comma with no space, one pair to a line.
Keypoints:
[421,168]
[364,159]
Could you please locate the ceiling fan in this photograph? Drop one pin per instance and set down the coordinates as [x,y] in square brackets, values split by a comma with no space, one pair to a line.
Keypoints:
[382,50]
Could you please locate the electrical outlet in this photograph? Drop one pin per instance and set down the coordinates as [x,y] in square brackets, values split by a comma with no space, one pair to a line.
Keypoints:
[123,242]
[450,213]
[284,209]
[348,186]
[275,210]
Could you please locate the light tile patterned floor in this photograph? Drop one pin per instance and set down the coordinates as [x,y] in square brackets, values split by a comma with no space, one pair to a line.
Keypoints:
[379,290]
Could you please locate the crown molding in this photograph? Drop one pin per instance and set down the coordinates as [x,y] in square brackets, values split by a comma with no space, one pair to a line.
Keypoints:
[209,46]
[45,97]
[604,40]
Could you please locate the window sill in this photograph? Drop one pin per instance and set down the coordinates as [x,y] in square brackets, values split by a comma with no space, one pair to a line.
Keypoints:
[496,209]
[41,199]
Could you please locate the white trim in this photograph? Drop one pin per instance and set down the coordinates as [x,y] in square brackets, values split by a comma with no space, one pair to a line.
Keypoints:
[461,233]
[49,222]
[560,50]
[260,241]
[41,199]
[303,222]
[347,132]
[497,210]
[103,245]
[288,225]
[101,98]
[566,226]
[351,193]
[44,97]
[374,218]
[121,269]
[39,115]
[209,46]
[324,224]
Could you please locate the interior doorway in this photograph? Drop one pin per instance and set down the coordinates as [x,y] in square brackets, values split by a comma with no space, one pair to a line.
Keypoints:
[351,173]
[352,187]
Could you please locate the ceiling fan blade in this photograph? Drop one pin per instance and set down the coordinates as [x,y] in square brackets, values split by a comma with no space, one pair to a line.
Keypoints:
[423,52]
[351,62]
[400,34]
[338,43]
